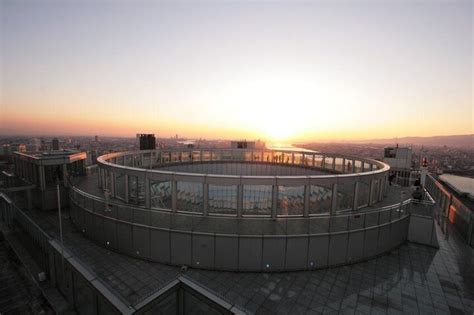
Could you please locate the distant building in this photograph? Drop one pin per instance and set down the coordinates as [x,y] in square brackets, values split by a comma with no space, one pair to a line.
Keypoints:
[147,141]
[8,149]
[32,147]
[96,138]
[400,161]
[244,144]
[55,144]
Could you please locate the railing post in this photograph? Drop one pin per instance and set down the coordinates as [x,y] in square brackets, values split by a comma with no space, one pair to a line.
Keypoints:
[356,195]
[240,199]
[307,191]
[334,199]
[127,195]
[470,228]
[147,193]
[205,198]
[174,197]
[274,200]
[371,191]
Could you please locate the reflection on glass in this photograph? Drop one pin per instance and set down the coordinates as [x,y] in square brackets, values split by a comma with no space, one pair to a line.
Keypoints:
[160,194]
[320,199]
[257,199]
[363,195]
[345,195]
[339,164]
[290,200]
[190,196]
[120,186]
[223,199]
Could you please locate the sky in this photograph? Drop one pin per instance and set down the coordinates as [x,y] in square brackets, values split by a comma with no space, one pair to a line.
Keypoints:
[274,70]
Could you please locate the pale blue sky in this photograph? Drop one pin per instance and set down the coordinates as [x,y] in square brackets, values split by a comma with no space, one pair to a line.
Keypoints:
[316,69]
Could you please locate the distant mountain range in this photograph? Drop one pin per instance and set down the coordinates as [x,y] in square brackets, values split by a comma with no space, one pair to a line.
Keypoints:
[456,140]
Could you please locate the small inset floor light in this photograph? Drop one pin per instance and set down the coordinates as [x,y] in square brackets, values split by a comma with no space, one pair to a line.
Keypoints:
[138,253]
[267,265]
[197,262]
[108,243]
[311,264]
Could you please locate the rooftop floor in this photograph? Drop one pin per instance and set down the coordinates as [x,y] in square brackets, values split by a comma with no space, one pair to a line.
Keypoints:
[411,279]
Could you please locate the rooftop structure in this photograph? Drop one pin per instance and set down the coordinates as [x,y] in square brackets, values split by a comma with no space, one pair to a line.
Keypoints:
[166,231]
[45,169]
[460,184]
[244,144]
[147,141]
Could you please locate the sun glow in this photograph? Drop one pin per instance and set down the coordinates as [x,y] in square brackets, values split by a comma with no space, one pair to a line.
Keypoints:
[277,107]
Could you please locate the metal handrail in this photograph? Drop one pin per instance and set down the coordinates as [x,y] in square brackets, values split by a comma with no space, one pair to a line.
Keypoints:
[104,161]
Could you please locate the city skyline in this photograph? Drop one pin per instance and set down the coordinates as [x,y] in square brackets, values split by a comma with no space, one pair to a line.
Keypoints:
[276,71]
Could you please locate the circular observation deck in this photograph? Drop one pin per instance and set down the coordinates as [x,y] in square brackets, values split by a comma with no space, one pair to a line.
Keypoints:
[236,209]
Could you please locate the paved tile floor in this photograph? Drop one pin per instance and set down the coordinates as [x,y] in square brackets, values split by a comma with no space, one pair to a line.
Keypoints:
[413,279]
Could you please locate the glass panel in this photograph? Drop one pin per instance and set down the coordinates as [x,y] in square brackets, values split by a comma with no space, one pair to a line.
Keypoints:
[376,192]
[349,166]
[206,156]
[226,155]
[120,160]
[190,196]
[157,159]
[137,160]
[223,199]
[186,156]
[290,200]
[320,199]
[328,162]
[108,180]
[308,160]
[358,166]
[267,156]
[146,160]
[298,158]
[363,196]
[345,195]
[339,164]
[174,157]
[257,199]
[160,194]
[248,156]
[141,191]
[128,160]
[196,156]
[318,160]
[216,155]
[132,189]
[120,186]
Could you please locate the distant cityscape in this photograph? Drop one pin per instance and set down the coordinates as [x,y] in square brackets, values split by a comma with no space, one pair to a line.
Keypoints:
[452,159]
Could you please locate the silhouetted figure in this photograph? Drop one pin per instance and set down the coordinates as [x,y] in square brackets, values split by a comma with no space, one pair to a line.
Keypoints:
[417,182]
[417,194]
[391,177]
